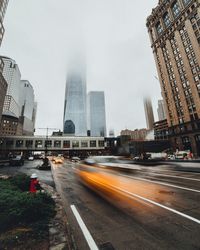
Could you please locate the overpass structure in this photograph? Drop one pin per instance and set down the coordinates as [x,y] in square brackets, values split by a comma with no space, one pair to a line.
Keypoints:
[51,143]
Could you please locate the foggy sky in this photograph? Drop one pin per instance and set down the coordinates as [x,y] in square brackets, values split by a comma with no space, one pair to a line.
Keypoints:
[41,35]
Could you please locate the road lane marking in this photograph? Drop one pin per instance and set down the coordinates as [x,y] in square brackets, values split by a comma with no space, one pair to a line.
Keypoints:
[86,233]
[150,201]
[179,171]
[160,205]
[162,183]
[178,177]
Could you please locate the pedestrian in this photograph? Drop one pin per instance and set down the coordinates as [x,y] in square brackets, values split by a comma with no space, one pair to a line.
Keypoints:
[34,184]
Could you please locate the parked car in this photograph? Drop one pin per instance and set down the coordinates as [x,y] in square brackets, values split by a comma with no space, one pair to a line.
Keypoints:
[30,158]
[17,161]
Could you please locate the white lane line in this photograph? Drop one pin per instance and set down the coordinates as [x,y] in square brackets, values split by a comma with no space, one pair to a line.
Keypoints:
[160,205]
[163,183]
[174,176]
[150,201]
[178,172]
[86,233]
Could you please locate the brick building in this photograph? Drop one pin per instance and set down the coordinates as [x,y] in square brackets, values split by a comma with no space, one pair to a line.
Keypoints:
[174,30]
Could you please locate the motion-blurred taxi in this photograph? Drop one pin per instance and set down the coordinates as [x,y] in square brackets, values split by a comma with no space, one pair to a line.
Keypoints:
[95,173]
[58,160]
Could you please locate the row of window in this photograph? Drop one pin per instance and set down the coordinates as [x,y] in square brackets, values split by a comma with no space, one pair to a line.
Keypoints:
[168,16]
[191,56]
[56,144]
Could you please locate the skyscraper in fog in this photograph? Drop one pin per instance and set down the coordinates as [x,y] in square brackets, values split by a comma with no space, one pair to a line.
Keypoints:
[161,110]
[148,113]
[75,121]
[96,113]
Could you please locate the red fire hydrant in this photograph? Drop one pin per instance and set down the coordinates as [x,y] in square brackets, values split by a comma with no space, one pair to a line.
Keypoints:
[34,183]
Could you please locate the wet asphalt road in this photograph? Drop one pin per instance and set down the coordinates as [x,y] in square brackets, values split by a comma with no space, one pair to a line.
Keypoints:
[138,223]
[163,211]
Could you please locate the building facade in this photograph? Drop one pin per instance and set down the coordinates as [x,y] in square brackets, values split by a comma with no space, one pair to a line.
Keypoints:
[75,119]
[3,83]
[96,113]
[136,135]
[19,106]
[174,30]
[3,89]
[161,130]
[3,7]
[148,113]
[161,110]
[9,125]
[27,105]
[12,75]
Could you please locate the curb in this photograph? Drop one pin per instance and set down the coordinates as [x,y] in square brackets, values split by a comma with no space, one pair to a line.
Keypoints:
[58,239]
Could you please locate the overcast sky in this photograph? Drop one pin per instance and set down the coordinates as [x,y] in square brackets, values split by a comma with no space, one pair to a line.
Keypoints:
[39,37]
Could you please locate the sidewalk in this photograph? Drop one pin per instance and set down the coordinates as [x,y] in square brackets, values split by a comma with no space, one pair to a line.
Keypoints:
[58,239]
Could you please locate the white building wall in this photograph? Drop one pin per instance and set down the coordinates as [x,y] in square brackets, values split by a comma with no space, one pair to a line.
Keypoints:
[12,76]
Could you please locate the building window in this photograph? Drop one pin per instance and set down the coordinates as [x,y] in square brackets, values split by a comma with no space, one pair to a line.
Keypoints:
[38,143]
[159,28]
[9,143]
[101,144]
[186,2]
[176,9]
[166,19]
[29,144]
[19,143]
[66,144]
[48,143]
[57,144]
[84,144]
[93,144]
[75,144]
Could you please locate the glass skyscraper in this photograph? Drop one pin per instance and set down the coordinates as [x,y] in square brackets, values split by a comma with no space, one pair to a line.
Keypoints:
[96,113]
[75,121]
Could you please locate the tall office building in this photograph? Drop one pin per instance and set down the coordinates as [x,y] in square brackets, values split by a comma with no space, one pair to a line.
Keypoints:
[3,83]
[161,110]
[96,113]
[3,7]
[27,106]
[174,29]
[148,113]
[12,76]
[19,109]
[75,120]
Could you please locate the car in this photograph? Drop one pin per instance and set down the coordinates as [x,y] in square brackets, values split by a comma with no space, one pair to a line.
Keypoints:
[58,160]
[171,157]
[30,158]
[17,161]
[75,159]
